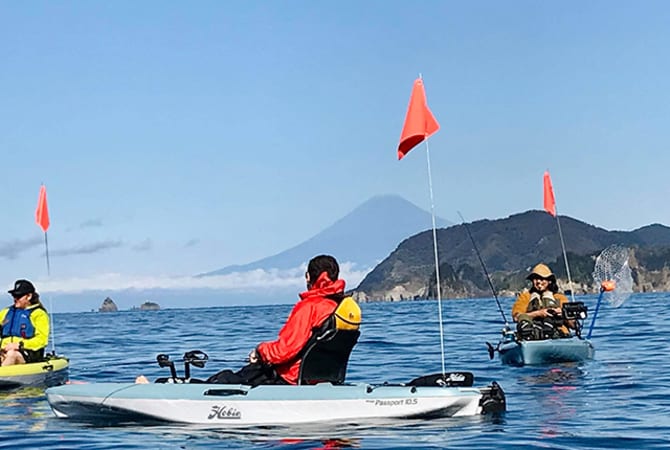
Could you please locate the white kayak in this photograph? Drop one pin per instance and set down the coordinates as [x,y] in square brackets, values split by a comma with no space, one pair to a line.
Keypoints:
[53,371]
[546,351]
[239,405]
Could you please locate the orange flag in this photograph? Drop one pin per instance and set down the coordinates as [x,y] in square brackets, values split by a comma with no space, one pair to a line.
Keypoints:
[42,212]
[420,123]
[549,201]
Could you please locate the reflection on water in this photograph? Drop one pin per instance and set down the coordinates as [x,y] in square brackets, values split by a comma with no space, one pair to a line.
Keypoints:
[28,392]
[567,374]
[555,397]
[19,408]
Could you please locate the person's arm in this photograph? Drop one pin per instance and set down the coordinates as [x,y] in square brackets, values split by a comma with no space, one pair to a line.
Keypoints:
[291,339]
[3,314]
[40,320]
[520,305]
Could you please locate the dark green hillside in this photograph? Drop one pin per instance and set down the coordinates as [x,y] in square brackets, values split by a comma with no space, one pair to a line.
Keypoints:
[509,247]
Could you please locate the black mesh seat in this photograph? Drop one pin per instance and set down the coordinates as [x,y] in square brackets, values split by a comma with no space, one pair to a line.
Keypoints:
[326,355]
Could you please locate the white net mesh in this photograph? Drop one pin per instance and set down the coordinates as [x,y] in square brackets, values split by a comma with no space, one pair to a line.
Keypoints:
[612,265]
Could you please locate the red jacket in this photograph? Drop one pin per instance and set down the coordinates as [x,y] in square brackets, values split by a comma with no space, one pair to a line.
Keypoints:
[312,310]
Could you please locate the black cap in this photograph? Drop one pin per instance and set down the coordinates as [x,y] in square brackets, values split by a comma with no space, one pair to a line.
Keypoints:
[21,288]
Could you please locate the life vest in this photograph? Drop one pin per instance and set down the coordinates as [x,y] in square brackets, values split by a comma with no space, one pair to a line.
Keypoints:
[347,315]
[547,300]
[17,323]
[346,318]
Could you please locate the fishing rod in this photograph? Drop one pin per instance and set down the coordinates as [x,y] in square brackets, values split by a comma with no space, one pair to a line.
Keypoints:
[486,272]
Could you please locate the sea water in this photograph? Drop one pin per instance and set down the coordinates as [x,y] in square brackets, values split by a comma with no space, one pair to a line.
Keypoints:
[621,399]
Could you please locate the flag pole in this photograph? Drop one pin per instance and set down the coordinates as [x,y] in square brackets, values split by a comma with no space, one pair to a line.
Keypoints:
[46,246]
[419,125]
[42,219]
[550,207]
[51,302]
[565,258]
[437,261]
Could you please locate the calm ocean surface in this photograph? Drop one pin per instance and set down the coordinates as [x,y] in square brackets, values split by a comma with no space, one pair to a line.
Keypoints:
[621,399]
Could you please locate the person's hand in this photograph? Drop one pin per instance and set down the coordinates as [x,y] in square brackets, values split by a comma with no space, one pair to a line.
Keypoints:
[549,312]
[253,357]
[538,314]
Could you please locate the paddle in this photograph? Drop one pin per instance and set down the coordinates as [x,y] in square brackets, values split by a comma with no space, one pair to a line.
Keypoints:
[613,274]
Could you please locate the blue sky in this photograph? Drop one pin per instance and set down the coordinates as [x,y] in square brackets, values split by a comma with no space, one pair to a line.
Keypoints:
[176,138]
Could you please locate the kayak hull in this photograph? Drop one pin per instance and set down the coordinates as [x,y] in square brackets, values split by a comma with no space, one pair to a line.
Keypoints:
[52,372]
[547,351]
[238,405]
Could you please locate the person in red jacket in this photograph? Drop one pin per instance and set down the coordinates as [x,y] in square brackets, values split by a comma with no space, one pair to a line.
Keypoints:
[278,361]
[324,292]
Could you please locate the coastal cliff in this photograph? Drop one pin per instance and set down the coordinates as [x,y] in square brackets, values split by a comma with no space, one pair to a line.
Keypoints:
[509,247]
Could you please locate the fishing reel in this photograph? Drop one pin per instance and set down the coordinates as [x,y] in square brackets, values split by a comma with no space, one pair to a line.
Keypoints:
[574,311]
[577,312]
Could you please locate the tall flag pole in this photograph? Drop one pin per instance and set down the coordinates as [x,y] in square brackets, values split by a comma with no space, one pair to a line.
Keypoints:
[419,125]
[42,219]
[550,207]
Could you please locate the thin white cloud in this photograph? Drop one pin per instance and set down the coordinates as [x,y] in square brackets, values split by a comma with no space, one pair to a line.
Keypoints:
[88,249]
[255,280]
[12,249]
[192,243]
[143,246]
[91,223]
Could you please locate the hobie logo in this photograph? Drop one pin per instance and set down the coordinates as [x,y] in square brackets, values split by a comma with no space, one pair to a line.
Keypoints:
[224,412]
[455,377]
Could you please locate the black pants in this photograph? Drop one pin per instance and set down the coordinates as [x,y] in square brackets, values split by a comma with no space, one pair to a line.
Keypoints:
[539,329]
[32,356]
[251,374]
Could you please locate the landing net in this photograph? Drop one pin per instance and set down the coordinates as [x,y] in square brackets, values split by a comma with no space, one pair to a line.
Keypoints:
[612,266]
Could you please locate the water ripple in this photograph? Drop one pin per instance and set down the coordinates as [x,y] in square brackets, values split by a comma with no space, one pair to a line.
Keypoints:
[618,400]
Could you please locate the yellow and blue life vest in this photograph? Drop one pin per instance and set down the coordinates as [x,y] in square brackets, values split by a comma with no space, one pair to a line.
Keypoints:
[17,323]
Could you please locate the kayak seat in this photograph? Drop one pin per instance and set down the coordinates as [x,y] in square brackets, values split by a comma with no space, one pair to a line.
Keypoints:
[327,352]
[326,357]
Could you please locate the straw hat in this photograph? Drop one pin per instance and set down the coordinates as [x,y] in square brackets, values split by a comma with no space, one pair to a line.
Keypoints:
[541,271]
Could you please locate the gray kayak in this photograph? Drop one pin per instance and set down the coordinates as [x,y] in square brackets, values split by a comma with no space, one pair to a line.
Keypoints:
[547,351]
